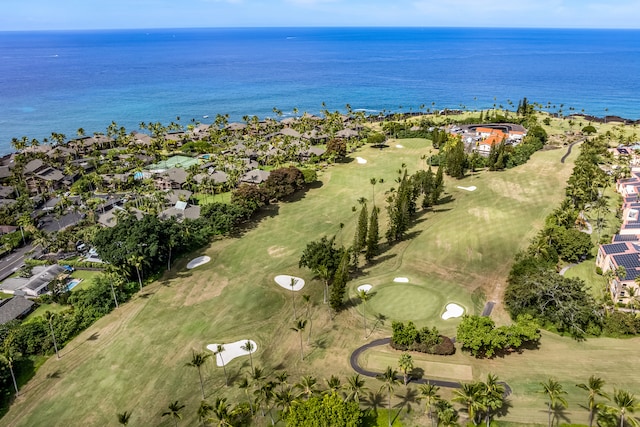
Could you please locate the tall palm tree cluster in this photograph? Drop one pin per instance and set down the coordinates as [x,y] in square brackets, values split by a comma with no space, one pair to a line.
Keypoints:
[607,410]
[268,396]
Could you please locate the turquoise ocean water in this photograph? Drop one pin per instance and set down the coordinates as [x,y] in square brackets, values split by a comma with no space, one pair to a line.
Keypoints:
[61,81]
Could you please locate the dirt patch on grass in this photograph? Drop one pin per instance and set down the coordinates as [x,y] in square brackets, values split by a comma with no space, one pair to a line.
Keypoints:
[510,190]
[481,213]
[210,289]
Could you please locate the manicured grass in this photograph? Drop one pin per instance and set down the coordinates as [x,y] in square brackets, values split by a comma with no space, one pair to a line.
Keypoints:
[87,277]
[134,358]
[587,271]
[43,308]
[205,199]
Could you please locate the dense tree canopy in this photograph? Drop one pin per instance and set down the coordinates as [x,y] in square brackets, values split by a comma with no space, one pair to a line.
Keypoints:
[556,300]
[324,411]
[479,335]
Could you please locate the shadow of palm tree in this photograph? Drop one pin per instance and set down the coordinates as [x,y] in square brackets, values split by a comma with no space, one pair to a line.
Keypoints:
[410,396]
[375,399]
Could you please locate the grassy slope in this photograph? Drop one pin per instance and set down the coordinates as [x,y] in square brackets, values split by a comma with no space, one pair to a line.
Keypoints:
[134,358]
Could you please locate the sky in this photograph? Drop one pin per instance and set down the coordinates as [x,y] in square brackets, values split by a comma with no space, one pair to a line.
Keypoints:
[26,15]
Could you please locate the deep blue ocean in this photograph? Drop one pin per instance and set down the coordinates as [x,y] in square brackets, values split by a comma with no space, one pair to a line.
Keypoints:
[61,81]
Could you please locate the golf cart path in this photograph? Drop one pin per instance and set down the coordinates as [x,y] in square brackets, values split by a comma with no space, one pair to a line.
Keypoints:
[353,360]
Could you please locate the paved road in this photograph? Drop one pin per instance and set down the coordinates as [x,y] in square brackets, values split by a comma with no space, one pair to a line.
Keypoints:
[13,261]
[568,153]
[353,360]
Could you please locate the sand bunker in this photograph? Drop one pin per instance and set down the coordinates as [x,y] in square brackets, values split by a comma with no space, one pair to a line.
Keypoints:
[401,280]
[399,146]
[231,351]
[472,188]
[365,288]
[284,280]
[453,310]
[197,262]
[361,160]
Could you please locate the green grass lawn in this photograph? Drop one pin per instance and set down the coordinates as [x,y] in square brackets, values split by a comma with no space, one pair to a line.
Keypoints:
[205,199]
[87,277]
[134,358]
[43,308]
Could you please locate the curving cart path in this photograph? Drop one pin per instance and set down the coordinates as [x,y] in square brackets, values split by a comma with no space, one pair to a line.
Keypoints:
[353,361]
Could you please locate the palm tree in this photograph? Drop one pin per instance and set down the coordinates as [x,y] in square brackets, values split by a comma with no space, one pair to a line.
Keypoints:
[307,303]
[554,392]
[492,396]
[136,261]
[222,411]
[49,317]
[244,384]
[284,399]
[266,394]
[113,273]
[594,388]
[389,383]
[447,415]
[204,411]
[299,328]
[354,388]
[469,395]
[406,366]
[249,347]
[625,402]
[197,360]
[364,297]
[430,394]
[293,296]
[308,386]
[333,384]
[123,417]
[281,378]
[218,352]
[174,411]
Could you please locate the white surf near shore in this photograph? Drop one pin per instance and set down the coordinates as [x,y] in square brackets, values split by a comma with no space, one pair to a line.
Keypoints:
[197,262]
[284,280]
[231,351]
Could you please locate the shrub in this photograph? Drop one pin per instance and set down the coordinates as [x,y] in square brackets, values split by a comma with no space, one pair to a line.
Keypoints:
[408,337]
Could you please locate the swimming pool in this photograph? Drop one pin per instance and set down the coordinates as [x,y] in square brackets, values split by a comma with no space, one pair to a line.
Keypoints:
[73,283]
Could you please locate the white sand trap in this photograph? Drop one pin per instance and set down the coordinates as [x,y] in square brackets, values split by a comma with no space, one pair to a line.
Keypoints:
[399,146]
[361,160]
[365,288]
[197,262]
[231,351]
[472,188]
[284,280]
[401,280]
[453,310]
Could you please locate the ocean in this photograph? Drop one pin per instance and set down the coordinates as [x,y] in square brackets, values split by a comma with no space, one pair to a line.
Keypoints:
[64,80]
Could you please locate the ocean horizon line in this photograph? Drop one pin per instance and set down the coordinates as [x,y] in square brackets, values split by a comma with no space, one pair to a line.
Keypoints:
[319,27]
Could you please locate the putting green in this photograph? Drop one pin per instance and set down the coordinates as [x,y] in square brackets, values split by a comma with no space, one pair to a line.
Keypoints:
[406,301]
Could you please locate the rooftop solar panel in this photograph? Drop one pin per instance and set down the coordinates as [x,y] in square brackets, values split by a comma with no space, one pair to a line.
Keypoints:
[614,248]
[625,238]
